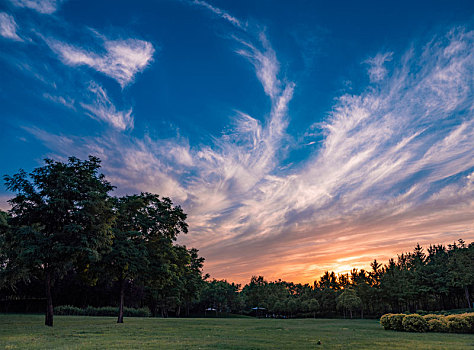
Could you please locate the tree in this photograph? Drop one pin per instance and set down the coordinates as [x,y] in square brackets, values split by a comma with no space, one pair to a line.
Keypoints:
[461,268]
[160,223]
[348,300]
[193,281]
[312,305]
[292,306]
[61,218]
[256,292]
[127,257]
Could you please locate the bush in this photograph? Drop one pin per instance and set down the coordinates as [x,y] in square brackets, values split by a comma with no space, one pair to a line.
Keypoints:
[100,311]
[143,312]
[385,321]
[414,323]
[437,325]
[433,317]
[67,310]
[396,322]
[458,323]
[470,320]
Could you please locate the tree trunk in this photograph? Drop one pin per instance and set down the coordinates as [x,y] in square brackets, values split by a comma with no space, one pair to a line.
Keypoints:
[468,299]
[49,301]
[122,292]
[350,311]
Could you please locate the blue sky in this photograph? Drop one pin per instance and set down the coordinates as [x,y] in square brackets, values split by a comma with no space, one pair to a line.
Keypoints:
[299,136]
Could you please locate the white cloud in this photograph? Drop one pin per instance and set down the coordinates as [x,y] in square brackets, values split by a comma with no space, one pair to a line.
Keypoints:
[42,6]
[121,59]
[377,70]
[65,101]
[103,109]
[8,27]
[265,63]
[221,13]
[395,165]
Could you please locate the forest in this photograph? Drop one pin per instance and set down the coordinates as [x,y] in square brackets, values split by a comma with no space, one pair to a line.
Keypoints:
[67,244]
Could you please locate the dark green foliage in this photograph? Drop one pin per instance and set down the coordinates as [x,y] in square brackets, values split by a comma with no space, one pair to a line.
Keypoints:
[414,323]
[68,310]
[222,296]
[385,321]
[60,219]
[348,300]
[63,223]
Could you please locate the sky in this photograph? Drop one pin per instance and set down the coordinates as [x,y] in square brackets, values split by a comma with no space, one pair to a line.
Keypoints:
[298,136]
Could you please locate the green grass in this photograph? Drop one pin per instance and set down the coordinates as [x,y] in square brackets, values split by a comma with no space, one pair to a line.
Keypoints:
[82,332]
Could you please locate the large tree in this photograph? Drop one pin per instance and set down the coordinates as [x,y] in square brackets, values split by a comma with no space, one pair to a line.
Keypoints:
[159,223]
[127,259]
[60,219]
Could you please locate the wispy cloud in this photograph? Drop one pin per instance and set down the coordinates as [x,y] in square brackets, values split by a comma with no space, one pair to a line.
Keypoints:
[120,59]
[396,164]
[8,27]
[42,6]
[65,101]
[221,13]
[103,109]
[265,63]
[377,70]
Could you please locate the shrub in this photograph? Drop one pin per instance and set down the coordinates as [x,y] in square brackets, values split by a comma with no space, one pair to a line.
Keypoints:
[100,311]
[433,317]
[68,310]
[142,312]
[396,322]
[414,323]
[437,325]
[385,321]
[458,323]
[470,320]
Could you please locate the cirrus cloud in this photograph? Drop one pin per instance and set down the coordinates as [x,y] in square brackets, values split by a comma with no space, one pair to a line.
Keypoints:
[42,6]
[8,27]
[121,59]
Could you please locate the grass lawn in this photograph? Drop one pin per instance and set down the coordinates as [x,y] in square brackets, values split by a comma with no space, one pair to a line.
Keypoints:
[78,332]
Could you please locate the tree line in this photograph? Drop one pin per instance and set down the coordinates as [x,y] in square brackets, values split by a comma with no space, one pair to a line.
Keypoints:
[442,278]
[67,240]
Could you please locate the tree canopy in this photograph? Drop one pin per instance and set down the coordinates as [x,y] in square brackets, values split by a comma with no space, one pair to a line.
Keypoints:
[61,216]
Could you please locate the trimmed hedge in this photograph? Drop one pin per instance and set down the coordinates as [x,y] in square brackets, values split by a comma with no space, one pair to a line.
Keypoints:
[385,321]
[396,322]
[437,325]
[414,323]
[457,324]
[461,323]
[68,310]
[433,317]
